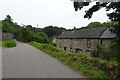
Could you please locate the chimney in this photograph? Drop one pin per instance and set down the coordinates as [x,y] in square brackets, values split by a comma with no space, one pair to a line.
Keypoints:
[74,29]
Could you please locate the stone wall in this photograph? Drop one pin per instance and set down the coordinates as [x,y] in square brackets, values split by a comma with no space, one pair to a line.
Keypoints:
[6,36]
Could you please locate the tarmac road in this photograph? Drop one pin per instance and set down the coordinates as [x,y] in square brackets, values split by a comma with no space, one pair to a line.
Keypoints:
[25,61]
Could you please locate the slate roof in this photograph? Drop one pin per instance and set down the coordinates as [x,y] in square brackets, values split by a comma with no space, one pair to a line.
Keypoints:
[88,33]
[108,34]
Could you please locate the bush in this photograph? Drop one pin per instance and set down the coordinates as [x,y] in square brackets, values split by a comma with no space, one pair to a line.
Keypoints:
[8,43]
[38,37]
[54,44]
[114,50]
[108,53]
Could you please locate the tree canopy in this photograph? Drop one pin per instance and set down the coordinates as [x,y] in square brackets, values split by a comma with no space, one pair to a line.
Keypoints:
[53,30]
[23,33]
[94,25]
[28,33]
[115,6]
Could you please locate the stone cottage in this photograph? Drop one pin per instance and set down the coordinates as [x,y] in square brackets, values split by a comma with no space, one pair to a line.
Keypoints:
[85,41]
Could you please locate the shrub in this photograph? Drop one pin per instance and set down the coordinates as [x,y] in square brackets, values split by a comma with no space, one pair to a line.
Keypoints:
[114,50]
[38,37]
[54,44]
[8,43]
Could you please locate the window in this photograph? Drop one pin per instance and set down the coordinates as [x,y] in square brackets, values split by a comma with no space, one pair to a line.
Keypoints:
[71,49]
[88,52]
[65,48]
[88,43]
[103,41]
[79,50]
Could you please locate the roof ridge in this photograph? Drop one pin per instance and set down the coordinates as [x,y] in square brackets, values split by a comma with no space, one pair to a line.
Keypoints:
[90,29]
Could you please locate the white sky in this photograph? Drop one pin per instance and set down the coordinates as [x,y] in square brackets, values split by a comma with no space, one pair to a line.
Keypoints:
[59,13]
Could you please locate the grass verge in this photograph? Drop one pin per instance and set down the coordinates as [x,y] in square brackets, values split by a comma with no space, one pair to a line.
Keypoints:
[0,43]
[95,68]
[8,43]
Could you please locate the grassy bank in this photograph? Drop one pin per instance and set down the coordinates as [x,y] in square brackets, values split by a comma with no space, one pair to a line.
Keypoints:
[95,68]
[8,43]
[0,43]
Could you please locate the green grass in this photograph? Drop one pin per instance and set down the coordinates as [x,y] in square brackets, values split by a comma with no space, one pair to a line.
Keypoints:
[0,43]
[95,68]
[8,43]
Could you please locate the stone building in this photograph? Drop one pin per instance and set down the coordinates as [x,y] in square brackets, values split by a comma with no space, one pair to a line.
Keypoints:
[85,41]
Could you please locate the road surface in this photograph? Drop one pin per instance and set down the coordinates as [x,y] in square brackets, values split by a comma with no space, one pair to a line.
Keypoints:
[25,61]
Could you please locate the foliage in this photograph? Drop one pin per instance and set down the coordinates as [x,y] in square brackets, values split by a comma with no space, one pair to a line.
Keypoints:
[54,44]
[107,53]
[51,39]
[93,67]
[53,31]
[0,43]
[114,48]
[114,15]
[94,25]
[98,24]
[109,24]
[97,51]
[6,24]
[38,37]
[23,33]
[8,43]
[28,33]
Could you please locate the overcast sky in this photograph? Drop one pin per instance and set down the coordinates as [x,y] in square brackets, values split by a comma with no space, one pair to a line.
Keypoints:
[59,13]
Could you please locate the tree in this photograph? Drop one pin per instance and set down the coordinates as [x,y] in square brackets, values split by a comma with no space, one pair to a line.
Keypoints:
[7,23]
[108,24]
[98,24]
[38,37]
[53,31]
[29,27]
[23,33]
[94,25]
